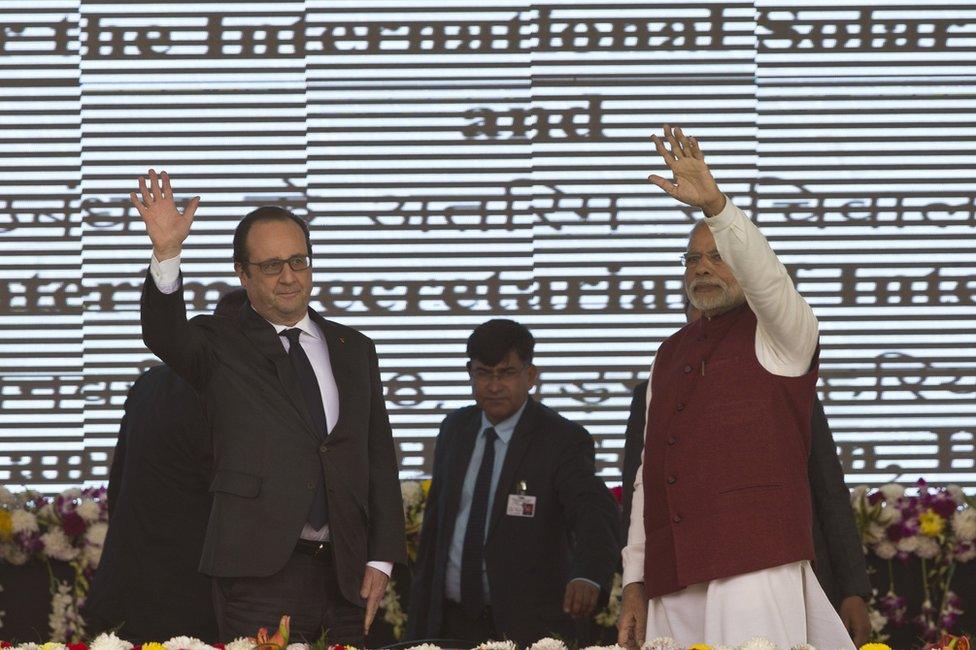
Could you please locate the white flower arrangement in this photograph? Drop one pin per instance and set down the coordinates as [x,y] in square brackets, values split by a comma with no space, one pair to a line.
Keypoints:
[605,647]
[548,643]
[57,545]
[927,548]
[240,643]
[392,610]
[964,524]
[885,550]
[892,491]
[185,643]
[23,521]
[89,510]
[497,645]
[661,643]
[108,641]
[758,643]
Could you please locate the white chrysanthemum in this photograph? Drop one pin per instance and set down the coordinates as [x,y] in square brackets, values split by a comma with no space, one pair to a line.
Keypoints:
[89,510]
[892,491]
[109,642]
[803,646]
[26,646]
[890,515]
[908,544]
[878,620]
[497,645]
[964,524]
[957,493]
[412,492]
[885,550]
[22,521]
[58,546]
[661,643]
[858,493]
[297,646]
[16,556]
[604,647]
[186,643]
[71,494]
[548,643]
[7,498]
[424,646]
[758,643]
[927,548]
[723,647]
[875,532]
[240,643]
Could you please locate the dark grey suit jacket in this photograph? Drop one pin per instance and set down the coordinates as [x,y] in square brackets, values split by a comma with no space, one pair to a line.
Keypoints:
[840,565]
[267,455]
[147,585]
[574,533]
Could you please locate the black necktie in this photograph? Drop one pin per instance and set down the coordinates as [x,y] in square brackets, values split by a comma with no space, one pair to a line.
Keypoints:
[473,553]
[318,516]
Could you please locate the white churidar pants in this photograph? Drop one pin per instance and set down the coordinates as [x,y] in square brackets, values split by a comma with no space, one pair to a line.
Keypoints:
[784,604]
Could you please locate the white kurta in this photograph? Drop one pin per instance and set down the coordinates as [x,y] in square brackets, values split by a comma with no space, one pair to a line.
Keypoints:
[784,604]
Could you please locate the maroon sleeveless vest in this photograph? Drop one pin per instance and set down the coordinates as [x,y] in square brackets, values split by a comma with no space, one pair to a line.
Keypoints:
[725,458]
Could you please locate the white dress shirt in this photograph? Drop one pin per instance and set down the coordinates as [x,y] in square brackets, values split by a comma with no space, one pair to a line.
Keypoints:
[166,275]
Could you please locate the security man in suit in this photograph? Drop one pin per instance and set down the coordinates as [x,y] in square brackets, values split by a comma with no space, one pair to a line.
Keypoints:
[840,565]
[147,585]
[307,516]
[520,536]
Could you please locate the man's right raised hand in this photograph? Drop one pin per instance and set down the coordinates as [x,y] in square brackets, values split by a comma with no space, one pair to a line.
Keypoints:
[167,228]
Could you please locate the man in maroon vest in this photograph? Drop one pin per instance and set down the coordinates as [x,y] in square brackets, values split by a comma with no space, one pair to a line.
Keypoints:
[720,542]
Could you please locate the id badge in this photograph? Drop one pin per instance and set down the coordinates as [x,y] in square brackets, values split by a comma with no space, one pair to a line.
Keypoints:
[521,505]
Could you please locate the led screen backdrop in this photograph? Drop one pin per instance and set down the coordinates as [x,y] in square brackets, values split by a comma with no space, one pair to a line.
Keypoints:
[462,161]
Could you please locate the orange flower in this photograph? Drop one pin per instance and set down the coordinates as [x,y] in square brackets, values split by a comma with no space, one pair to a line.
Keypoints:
[276,642]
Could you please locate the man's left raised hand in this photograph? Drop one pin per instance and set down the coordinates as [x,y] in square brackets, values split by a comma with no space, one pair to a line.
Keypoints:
[581,597]
[374,586]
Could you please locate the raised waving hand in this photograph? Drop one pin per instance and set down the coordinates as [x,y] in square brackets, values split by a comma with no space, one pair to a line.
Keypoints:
[692,181]
[167,227]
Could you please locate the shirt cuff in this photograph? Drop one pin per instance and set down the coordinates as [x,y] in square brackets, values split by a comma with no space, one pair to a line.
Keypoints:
[595,584]
[723,219]
[165,274]
[633,561]
[385,567]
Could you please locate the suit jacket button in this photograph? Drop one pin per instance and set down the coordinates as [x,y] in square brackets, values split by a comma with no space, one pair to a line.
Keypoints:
[672,440]
[688,369]
[681,406]
[310,485]
[672,480]
[676,519]
[324,447]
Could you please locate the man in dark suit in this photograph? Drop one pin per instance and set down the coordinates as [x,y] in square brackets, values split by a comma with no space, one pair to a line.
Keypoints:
[840,565]
[520,536]
[147,586]
[307,517]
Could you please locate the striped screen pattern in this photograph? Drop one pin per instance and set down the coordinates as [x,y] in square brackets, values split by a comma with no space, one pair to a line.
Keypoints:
[462,161]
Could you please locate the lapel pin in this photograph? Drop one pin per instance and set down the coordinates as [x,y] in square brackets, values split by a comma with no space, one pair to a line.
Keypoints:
[342,340]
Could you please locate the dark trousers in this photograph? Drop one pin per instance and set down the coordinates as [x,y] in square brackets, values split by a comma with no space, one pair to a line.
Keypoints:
[456,624]
[306,589]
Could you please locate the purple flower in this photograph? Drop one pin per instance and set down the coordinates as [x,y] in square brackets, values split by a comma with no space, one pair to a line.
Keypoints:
[73,524]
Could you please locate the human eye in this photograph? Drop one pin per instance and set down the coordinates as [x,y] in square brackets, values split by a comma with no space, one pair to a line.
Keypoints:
[272,267]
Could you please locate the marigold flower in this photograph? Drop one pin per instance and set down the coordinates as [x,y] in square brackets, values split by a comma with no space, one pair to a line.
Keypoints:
[6,525]
[875,646]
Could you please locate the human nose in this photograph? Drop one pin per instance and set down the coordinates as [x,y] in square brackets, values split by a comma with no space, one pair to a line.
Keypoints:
[287,276]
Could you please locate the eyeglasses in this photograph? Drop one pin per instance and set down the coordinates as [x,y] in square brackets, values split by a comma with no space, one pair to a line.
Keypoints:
[483,375]
[275,266]
[691,260]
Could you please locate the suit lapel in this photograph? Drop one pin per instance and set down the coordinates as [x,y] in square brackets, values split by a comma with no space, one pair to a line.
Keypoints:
[262,335]
[517,446]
